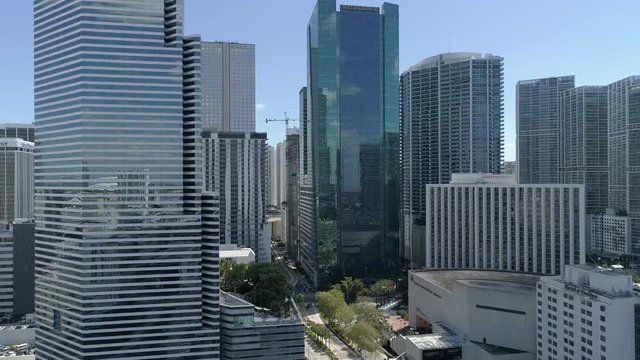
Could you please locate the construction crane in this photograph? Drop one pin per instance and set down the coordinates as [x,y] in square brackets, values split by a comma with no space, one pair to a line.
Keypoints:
[286,122]
[286,132]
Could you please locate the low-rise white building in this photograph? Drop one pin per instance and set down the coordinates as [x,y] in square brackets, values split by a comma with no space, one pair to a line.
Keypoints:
[237,254]
[492,311]
[588,313]
[484,221]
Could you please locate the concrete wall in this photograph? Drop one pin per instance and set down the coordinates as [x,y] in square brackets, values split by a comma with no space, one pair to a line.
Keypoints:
[18,336]
[479,310]
[499,325]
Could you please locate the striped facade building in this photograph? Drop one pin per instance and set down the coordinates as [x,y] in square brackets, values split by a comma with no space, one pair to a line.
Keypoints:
[119,252]
[481,221]
[236,167]
[250,333]
[16,179]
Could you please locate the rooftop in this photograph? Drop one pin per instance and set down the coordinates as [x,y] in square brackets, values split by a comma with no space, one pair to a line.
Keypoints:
[16,143]
[451,57]
[232,300]
[482,178]
[261,316]
[497,350]
[479,278]
[436,341]
[614,271]
[17,125]
[594,281]
[236,253]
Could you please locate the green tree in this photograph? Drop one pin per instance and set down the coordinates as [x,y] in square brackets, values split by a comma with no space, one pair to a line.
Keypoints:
[329,302]
[403,313]
[269,287]
[363,336]
[233,276]
[351,288]
[381,289]
[369,313]
[299,298]
[344,317]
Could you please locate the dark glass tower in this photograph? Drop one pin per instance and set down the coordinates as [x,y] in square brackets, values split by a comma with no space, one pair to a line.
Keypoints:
[349,187]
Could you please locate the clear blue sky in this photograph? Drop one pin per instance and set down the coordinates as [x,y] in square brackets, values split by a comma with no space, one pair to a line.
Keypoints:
[595,40]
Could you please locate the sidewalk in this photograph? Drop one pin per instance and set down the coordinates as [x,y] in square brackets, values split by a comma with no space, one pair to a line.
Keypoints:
[341,350]
[312,351]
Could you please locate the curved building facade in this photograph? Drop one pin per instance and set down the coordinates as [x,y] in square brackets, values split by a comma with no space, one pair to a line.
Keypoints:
[451,121]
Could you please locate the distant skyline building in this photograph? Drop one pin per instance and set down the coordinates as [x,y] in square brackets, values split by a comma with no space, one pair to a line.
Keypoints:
[481,221]
[119,242]
[583,143]
[292,209]
[16,179]
[6,270]
[610,234]
[270,183]
[589,313]
[510,168]
[278,174]
[351,223]
[22,131]
[17,267]
[305,130]
[229,86]
[23,254]
[236,167]
[624,152]
[451,121]
[537,128]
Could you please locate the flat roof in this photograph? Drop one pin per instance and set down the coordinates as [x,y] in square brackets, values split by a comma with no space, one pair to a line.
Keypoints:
[231,300]
[480,278]
[436,341]
[604,270]
[236,253]
[451,57]
[497,350]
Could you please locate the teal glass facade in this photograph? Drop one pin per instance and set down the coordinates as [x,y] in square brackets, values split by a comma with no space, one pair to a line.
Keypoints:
[353,125]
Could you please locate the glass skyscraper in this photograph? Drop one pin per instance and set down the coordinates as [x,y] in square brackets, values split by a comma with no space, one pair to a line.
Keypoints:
[451,121]
[537,123]
[118,176]
[349,186]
